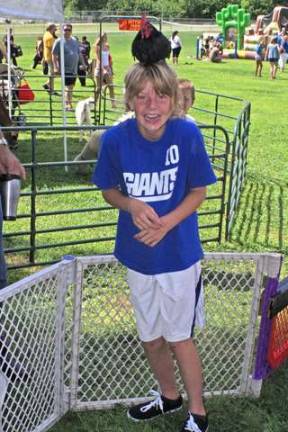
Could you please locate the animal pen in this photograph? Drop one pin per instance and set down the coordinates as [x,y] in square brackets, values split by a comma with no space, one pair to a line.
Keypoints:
[46,225]
[68,338]
[69,341]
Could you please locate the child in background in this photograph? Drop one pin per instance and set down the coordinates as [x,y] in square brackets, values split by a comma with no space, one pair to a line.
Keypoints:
[272,55]
[186,98]
[283,49]
[39,48]
[259,57]
[155,170]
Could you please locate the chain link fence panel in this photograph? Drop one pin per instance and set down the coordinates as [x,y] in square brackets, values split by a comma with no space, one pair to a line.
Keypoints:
[68,338]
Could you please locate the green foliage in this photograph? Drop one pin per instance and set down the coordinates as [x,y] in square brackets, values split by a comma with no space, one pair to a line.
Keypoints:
[168,8]
[258,7]
[82,5]
[156,7]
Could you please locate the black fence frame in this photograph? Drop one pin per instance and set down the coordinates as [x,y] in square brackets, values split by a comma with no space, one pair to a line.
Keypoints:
[228,155]
[33,246]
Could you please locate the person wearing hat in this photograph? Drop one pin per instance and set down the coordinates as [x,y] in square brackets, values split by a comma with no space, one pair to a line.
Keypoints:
[48,42]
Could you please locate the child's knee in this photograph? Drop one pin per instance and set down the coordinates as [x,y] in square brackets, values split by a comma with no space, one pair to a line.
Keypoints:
[180,345]
[154,345]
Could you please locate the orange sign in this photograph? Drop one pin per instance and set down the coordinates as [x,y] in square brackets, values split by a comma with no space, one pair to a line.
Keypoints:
[129,24]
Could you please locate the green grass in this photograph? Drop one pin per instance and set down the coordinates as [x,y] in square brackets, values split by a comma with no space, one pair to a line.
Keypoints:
[261,223]
[266,414]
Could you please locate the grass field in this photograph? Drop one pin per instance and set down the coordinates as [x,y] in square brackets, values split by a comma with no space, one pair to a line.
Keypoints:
[261,221]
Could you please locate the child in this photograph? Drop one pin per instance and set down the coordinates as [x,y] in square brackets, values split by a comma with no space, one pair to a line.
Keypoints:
[272,54]
[155,170]
[186,98]
[259,56]
[39,48]
[283,49]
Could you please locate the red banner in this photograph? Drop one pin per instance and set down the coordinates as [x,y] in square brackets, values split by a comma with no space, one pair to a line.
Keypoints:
[129,24]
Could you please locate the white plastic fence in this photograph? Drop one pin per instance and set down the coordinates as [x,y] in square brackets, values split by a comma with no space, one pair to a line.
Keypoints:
[68,338]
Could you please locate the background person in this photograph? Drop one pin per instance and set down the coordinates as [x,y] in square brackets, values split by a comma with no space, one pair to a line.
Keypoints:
[215,53]
[259,57]
[283,53]
[48,42]
[15,51]
[103,71]
[272,55]
[85,48]
[9,164]
[72,57]
[3,52]
[155,226]
[176,46]
[38,57]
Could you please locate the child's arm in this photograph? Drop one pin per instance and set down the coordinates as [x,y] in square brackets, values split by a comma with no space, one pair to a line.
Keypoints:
[143,215]
[151,235]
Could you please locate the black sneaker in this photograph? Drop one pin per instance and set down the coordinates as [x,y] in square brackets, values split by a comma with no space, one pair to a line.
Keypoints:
[149,410]
[195,423]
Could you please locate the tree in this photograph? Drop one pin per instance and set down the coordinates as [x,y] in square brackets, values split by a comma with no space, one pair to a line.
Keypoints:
[172,8]
[257,7]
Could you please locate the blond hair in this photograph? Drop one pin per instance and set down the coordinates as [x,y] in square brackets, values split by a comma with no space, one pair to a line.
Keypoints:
[187,84]
[162,77]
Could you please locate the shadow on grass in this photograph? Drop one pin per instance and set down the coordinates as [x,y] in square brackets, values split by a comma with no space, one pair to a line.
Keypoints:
[260,217]
[226,414]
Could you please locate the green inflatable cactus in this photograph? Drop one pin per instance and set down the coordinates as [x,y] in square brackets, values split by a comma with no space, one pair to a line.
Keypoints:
[233,17]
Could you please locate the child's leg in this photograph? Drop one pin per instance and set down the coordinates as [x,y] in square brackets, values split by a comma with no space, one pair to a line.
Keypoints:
[260,68]
[111,90]
[191,372]
[162,365]
[257,67]
[271,70]
[274,70]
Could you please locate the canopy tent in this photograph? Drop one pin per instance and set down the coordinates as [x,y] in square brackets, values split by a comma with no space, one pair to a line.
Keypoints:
[40,10]
[45,10]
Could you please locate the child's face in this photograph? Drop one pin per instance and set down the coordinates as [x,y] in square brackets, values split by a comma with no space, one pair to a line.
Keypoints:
[152,111]
[185,100]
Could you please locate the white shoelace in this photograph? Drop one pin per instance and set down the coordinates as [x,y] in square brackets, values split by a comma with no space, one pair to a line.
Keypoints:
[156,402]
[191,426]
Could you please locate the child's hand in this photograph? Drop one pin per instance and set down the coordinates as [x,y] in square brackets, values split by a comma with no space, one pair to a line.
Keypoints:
[152,236]
[143,215]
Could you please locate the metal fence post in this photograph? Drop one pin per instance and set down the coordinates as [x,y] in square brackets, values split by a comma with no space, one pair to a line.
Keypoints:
[33,199]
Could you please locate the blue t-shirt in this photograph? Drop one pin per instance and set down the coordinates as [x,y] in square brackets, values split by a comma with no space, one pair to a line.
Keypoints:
[161,173]
[260,49]
[284,45]
[273,52]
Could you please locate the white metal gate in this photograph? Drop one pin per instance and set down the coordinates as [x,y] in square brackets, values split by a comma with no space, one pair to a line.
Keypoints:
[68,338]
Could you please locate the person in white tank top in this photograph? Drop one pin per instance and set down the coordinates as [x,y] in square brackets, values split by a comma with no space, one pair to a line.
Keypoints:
[103,71]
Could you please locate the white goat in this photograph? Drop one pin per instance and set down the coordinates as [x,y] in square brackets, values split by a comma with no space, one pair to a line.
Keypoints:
[83,113]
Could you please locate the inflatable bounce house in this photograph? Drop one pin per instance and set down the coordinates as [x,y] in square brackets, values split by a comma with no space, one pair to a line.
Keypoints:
[239,41]
[233,21]
[265,27]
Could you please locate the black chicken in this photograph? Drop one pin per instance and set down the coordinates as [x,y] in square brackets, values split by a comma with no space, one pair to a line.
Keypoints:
[150,45]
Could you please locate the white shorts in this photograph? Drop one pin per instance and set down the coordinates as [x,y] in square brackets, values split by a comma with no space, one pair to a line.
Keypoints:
[168,304]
